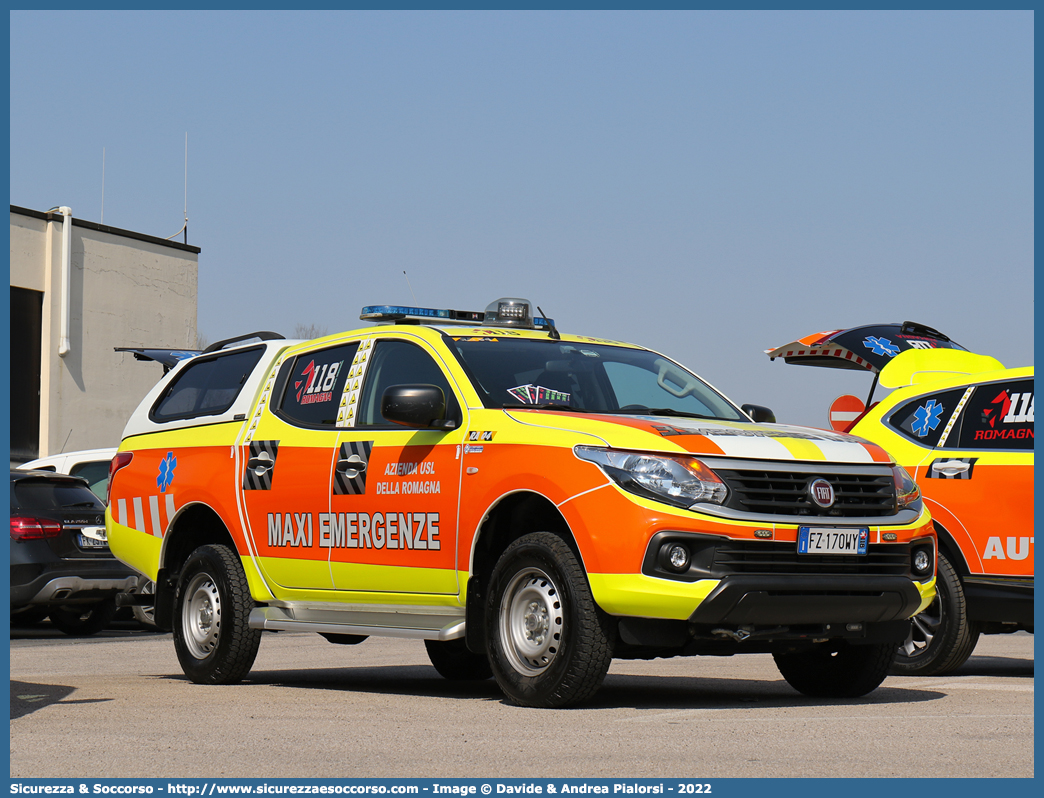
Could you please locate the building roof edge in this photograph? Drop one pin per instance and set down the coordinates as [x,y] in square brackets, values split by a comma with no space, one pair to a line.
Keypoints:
[104,228]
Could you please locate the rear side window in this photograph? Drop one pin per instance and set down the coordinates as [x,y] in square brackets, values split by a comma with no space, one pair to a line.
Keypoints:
[315,384]
[999,416]
[207,387]
[96,473]
[924,419]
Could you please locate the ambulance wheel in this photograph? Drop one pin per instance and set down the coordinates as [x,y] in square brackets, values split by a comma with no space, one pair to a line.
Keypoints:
[550,645]
[454,661]
[849,672]
[212,606]
[146,616]
[941,638]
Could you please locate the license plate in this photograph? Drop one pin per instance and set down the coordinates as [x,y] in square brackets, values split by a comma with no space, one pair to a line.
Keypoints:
[832,540]
[92,543]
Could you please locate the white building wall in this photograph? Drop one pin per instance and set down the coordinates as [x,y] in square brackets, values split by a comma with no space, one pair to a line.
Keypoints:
[125,290]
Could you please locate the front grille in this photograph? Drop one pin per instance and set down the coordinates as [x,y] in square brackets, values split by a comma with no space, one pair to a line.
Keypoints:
[782,492]
[764,557]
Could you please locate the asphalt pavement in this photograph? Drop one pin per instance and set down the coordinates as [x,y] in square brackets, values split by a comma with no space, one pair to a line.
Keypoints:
[118,705]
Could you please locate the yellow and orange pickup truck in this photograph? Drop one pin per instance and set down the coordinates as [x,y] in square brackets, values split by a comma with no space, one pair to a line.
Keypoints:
[962,424]
[529,503]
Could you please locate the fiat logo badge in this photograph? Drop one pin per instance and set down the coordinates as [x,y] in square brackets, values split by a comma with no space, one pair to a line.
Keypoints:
[822,492]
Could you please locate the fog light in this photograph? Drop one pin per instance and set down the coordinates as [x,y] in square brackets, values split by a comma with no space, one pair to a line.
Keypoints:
[677,558]
[890,536]
[921,561]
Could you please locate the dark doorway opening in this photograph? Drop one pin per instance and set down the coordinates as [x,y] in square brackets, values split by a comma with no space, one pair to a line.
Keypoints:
[26,327]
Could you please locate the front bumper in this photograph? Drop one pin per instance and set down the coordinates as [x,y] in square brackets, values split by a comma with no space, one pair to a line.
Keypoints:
[767,599]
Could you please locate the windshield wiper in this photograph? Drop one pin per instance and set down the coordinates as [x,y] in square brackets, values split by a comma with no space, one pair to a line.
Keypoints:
[78,504]
[545,406]
[665,411]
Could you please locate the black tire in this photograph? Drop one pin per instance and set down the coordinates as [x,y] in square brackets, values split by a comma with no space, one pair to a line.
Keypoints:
[550,645]
[849,672]
[212,638]
[146,616]
[29,616]
[456,662]
[941,638]
[81,620]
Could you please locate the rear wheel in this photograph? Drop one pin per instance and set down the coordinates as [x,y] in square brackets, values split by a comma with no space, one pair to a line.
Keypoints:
[849,672]
[212,637]
[454,661]
[146,616]
[29,616]
[941,638]
[80,620]
[549,643]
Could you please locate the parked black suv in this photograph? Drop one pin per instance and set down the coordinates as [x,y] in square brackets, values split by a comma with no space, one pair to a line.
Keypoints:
[61,565]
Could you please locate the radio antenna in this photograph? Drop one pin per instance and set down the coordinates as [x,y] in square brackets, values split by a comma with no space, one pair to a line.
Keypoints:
[410,286]
[186,186]
[102,220]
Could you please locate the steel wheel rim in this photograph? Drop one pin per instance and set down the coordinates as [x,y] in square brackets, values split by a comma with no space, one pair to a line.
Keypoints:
[201,616]
[148,589]
[531,622]
[923,628]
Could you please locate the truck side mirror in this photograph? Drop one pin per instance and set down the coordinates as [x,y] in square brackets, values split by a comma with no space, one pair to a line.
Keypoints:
[416,406]
[761,415]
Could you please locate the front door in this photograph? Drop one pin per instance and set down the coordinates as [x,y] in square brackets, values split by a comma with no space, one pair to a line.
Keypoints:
[392,526]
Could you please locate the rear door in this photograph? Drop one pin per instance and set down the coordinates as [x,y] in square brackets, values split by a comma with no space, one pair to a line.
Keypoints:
[976,471]
[287,456]
[982,473]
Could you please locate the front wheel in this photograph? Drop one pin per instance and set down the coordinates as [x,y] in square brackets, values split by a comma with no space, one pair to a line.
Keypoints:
[848,672]
[212,637]
[941,637]
[550,645]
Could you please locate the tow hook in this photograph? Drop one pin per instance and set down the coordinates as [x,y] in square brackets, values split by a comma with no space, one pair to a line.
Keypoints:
[741,635]
[135,599]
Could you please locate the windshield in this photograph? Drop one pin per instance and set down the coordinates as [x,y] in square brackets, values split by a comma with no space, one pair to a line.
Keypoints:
[587,377]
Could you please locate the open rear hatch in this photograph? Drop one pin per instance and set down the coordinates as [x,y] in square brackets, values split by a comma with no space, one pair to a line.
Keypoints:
[876,348]
[870,347]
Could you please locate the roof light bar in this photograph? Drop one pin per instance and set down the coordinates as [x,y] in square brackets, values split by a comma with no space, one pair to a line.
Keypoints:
[504,312]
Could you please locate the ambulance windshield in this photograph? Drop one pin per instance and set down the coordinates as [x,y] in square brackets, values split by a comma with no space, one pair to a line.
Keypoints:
[591,378]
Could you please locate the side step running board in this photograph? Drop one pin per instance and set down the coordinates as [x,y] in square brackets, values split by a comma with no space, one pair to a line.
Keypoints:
[419,623]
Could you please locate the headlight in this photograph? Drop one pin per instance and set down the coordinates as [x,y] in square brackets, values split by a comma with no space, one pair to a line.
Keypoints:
[681,480]
[906,490]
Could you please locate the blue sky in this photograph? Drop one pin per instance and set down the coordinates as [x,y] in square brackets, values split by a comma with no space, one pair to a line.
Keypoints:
[708,184]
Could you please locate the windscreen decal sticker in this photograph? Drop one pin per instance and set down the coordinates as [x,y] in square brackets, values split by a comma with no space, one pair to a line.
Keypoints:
[956,414]
[536,395]
[350,395]
[266,396]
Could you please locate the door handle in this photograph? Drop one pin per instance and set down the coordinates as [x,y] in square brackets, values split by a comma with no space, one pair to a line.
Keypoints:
[260,464]
[351,466]
[951,467]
